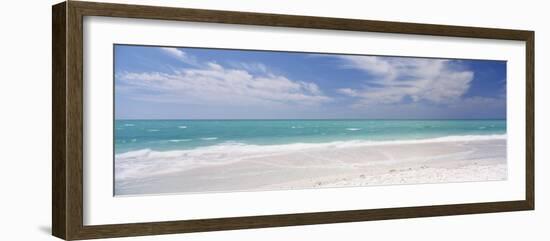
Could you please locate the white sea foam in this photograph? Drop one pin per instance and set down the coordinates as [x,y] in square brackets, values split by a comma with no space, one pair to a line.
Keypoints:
[133,154]
[180,140]
[248,148]
[152,130]
[146,162]
[209,138]
[129,125]
[182,127]
[353,129]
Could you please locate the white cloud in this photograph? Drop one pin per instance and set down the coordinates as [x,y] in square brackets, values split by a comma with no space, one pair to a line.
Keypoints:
[394,79]
[250,67]
[181,55]
[348,91]
[216,84]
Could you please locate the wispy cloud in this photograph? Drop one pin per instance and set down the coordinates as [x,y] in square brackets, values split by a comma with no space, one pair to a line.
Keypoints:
[348,91]
[211,83]
[250,67]
[181,55]
[394,80]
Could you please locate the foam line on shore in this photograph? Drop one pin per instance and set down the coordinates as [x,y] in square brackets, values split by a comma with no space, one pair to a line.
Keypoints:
[147,162]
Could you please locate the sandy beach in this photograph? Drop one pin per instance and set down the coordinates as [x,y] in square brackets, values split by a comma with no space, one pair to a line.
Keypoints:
[301,166]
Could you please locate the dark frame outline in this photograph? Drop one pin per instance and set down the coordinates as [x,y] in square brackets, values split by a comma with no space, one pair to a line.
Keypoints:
[67,120]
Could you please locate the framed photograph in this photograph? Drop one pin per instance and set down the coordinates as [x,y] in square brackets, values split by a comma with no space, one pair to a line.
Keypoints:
[171,120]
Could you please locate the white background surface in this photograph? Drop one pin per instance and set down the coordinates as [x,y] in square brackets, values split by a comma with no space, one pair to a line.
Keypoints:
[25,54]
[101,208]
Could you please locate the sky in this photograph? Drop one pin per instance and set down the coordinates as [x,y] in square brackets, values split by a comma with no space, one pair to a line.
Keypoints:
[154,82]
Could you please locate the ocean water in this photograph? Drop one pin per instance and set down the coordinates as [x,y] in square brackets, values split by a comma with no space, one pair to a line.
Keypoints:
[180,135]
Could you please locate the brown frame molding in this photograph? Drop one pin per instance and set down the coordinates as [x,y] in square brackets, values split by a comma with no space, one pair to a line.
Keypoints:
[67,121]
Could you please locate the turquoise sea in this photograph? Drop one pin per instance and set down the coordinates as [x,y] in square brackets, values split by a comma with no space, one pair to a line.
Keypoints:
[168,135]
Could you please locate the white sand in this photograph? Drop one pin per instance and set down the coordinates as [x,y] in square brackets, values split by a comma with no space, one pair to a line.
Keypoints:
[312,166]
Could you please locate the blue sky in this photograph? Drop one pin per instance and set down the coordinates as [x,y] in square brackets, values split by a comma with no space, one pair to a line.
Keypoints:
[198,83]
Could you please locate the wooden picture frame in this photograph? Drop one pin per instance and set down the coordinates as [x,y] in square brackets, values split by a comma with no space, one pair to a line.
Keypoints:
[67,122]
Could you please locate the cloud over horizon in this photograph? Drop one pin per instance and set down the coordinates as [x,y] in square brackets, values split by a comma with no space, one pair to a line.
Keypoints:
[398,79]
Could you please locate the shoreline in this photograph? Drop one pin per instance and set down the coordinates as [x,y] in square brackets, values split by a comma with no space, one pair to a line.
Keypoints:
[315,167]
